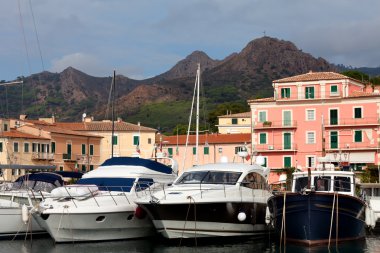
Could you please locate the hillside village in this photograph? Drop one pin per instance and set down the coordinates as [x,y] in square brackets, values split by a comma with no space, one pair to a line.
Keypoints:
[312,119]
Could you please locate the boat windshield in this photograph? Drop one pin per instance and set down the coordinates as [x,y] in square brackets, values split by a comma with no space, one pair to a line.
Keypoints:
[34,185]
[110,184]
[209,177]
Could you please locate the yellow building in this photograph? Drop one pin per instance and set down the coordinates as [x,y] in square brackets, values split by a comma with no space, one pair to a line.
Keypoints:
[237,123]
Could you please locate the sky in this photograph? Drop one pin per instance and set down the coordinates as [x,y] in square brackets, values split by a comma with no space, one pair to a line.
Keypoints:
[144,38]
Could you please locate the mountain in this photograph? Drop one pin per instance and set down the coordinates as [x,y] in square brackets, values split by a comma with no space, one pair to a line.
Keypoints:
[240,76]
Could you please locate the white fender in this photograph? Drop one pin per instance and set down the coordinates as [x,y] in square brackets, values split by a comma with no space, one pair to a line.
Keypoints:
[267,216]
[242,216]
[24,213]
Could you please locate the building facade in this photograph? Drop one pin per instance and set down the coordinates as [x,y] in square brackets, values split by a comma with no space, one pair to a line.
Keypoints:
[317,118]
[236,123]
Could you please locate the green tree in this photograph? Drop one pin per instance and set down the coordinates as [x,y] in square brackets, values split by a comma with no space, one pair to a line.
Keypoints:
[360,76]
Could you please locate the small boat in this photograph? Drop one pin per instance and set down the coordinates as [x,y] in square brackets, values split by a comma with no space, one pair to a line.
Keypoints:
[321,208]
[101,205]
[19,197]
[212,200]
[370,192]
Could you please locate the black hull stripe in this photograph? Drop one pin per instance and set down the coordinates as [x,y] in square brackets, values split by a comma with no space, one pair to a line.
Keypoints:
[217,231]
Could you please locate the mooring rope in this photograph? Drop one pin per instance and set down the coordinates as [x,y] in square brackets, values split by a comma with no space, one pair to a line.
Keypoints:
[332,219]
[195,220]
[283,224]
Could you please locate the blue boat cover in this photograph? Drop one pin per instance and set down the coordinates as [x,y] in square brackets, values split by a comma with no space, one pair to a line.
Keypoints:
[109,184]
[71,174]
[135,161]
[41,176]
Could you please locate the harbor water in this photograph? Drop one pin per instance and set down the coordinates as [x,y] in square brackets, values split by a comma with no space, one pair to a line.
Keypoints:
[370,244]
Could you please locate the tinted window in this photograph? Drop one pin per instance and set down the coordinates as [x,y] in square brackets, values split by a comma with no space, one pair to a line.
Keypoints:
[301,183]
[342,184]
[209,177]
[322,183]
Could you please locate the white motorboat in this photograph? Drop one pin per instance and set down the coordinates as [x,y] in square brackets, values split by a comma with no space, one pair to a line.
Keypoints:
[221,199]
[19,197]
[370,192]
[101,206]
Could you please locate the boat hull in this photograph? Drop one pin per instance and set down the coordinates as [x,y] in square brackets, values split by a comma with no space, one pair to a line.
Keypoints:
[12,224]
[207,219]
[309,218]
[69,227]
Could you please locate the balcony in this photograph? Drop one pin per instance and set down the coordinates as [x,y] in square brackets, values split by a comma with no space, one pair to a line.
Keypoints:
[280,147]
[354,146]
[68,158]
[282,124]
[368,121]
[309,96]
[42,156]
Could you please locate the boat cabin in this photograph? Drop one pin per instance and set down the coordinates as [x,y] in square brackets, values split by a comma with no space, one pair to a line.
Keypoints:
[325,181]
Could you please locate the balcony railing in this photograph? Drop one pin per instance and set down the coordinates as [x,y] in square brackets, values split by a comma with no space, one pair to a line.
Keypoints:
[303,95]
[68,157]
[276,147]
[351,146]
[42,156]
[276,124]
[351,122]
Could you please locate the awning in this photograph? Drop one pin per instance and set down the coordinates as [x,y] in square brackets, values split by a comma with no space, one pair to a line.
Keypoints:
[351,157]
[27,167]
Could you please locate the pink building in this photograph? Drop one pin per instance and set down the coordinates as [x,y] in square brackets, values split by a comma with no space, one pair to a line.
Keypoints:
[315,117]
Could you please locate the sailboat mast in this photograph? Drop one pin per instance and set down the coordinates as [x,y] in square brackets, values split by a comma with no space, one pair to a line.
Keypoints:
[113,111]
[197,114]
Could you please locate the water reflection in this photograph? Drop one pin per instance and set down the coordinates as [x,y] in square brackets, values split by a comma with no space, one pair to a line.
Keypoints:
[267,245]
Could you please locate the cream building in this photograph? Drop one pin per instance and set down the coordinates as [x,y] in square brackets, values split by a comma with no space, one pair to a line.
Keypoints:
[237,123]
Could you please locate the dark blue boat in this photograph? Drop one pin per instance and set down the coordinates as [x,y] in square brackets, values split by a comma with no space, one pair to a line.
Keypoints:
[320,209]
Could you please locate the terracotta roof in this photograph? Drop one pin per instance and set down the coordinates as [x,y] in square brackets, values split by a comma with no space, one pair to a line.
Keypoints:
[58,130]
[103,126]
[270,99]
[237,115]
[210,138]
[363,94]
[16,134]
[313,76]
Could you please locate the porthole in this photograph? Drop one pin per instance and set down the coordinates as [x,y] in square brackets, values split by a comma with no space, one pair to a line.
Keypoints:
[100,218]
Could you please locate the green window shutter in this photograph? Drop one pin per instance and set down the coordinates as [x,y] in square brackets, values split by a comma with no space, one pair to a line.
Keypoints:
[91,167]
[334,139]
[136,140]
[309,92]
[334,117]
[358,136]
[170,152]
[83,168]
[263,138]
[265,162]
[262,116]
[114,140]
[15,147]
[206,150]
[53,147]
[285,93]
[1,147]
[287,118]
[234,121]
[333,88]
[194,150]
[358,113]
[287,141]
[83,149]
[91,149]
[26,147]
[287,162]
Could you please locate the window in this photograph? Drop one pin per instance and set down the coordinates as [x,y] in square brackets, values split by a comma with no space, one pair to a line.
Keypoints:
[234,121]
[83,168]
[149,140]
[265,162]
[263,138]
[358,113]
[220,150]
[262,116]
[26,147]
[15,146]
[287,118]
[5,127]
[53,147]
[287,162]
[333,139]
[114,140]
[83,149]
[285,92]
[34,147]
[206,150]
[310,137]
[333,89]
[310,161]
[91,149]
[287,141]
[60,168]
[194,150]
[310,114]
[136,140]
[1,147]
[342,184]
[91,167]
[309,92]
[170,152]
[358,136]
[333,117]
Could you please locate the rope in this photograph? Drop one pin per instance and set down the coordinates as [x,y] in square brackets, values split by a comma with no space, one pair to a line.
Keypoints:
[195,221]
[337,222]
[283,224]
[331,221]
